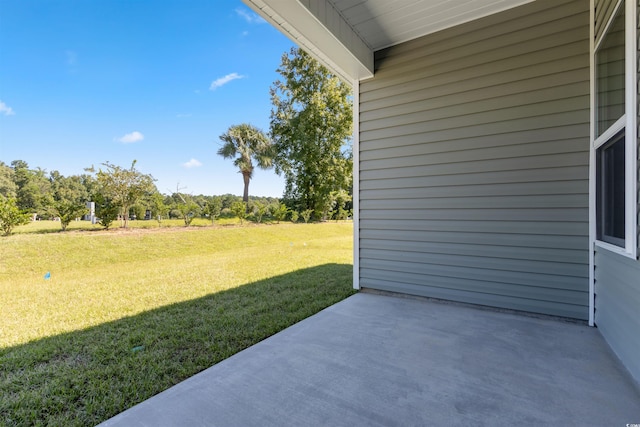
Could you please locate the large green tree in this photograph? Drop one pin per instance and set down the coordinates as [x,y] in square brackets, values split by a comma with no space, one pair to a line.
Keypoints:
[246,143]
[311,127]
[33,191]
[70,196]
[124,187]
[8,186]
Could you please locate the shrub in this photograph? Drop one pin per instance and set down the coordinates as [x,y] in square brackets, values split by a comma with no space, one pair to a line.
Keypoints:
[306,215]
[188,210]
[259,210]
[342,214]
[213,208]
[68,211]
[10,215]
[239,209]
[279,211]
[106,211]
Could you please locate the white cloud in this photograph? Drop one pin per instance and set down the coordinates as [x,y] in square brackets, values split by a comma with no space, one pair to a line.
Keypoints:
[193,163]
[224,80]
[5,109]
[130,138]
[250,17]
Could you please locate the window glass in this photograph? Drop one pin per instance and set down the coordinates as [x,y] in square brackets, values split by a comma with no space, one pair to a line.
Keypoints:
[610,79]
[611,191]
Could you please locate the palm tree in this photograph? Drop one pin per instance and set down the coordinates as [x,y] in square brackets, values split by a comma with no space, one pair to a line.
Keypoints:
[246,143]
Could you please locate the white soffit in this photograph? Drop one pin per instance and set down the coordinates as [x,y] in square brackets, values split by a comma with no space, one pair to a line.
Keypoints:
[343,34]
[318,28]
[384,23]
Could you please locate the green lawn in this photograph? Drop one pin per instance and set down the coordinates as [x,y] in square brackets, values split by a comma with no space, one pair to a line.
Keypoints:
[126,314]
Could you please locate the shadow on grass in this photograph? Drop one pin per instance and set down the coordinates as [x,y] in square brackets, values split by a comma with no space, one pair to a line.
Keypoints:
[85,377]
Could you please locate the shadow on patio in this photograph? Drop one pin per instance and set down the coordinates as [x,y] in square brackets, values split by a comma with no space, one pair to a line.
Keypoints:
[384,360]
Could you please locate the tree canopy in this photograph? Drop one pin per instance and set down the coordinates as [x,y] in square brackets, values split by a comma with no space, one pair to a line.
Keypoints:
[69,197]
[124,187]
[33,192]
[8,186]
[311,127]
[246,143]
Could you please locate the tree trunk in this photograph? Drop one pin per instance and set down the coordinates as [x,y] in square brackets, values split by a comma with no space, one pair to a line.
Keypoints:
[125,215]
[245,195]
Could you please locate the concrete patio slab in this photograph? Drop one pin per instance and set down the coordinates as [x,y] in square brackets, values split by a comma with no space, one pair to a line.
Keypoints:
[378,360]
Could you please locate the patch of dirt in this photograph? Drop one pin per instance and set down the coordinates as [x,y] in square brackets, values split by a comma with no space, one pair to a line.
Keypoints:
[137,230]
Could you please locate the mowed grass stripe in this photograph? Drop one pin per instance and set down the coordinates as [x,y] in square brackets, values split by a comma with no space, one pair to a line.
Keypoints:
[101,277]
[190,299]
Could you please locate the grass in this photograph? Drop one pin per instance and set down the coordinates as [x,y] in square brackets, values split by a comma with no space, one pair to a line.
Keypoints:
[126,314]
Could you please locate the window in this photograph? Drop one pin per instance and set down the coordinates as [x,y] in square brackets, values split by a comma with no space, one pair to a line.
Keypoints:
[610,128]
[610,76]
[610,191]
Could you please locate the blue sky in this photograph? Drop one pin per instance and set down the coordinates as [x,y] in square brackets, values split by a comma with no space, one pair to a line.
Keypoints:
[84,82]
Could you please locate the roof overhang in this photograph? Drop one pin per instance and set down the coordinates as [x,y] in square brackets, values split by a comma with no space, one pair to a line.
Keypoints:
[319,29]
[344,34]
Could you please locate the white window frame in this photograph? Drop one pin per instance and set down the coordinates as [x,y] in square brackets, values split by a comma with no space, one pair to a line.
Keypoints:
[356,183]
[626,122]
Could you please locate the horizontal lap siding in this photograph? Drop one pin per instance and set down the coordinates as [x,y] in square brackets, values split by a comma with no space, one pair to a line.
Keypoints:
[617,314]
[617,292]
[474,153]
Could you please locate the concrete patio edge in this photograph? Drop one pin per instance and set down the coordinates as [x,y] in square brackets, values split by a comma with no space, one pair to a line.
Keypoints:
[379,360]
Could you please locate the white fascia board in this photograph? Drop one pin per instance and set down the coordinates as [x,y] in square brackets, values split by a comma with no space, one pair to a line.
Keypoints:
[356,184]
[592,165]
[321,31]
[632,88]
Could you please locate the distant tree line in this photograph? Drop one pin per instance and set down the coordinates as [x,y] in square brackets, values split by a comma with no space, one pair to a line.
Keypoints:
[119,194]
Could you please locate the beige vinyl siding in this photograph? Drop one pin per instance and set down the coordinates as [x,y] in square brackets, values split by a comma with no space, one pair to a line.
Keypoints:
[474,153]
